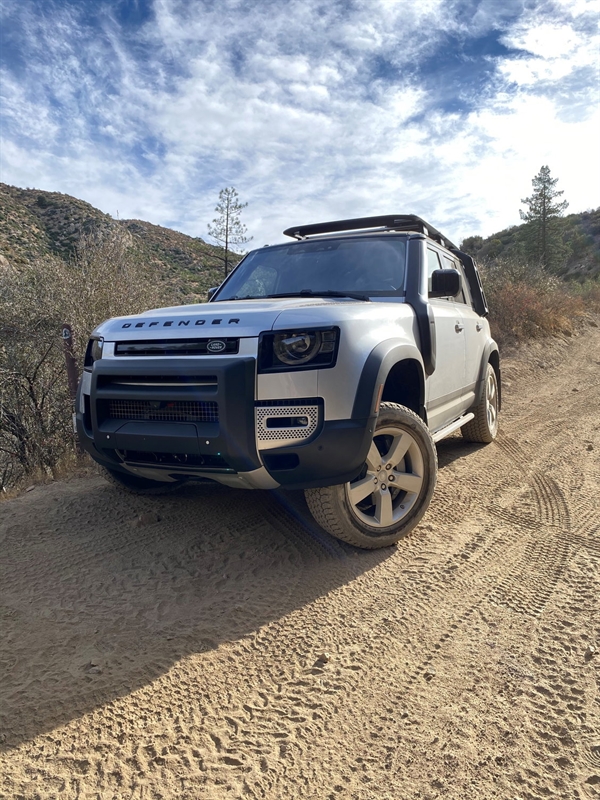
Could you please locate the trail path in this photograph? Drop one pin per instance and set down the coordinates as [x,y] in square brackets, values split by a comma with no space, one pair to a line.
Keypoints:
[234,650]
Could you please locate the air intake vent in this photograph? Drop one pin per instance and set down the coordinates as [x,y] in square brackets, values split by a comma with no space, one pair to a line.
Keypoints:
[164,411]
[173,459]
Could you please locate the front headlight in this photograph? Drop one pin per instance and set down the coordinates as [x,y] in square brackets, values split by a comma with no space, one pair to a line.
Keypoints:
[93,352]
[297,348]
[311,349]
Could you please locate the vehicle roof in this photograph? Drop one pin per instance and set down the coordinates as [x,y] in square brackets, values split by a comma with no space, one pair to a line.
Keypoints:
[405,223]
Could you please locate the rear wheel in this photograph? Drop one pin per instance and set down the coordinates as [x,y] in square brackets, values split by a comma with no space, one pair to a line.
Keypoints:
[484,427]
[393,490]
[135,484]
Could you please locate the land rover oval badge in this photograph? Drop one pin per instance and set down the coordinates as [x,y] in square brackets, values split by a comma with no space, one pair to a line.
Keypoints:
[216,346]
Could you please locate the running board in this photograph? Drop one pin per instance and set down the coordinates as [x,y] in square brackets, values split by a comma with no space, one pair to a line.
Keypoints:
[454,426]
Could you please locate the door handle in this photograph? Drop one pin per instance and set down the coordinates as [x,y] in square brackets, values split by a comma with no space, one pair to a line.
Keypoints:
[458,327]
[479,326]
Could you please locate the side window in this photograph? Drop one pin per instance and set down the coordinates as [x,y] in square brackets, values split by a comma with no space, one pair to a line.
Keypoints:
[433,263]
[466,292]
[461,297]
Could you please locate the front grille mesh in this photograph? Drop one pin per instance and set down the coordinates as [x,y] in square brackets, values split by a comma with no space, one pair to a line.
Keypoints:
[164,411]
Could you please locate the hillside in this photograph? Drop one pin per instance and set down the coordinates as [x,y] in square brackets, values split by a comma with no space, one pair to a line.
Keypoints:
[580,235]
[35,224]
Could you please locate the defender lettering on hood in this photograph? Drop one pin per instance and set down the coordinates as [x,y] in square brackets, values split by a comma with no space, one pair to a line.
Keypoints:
[181,322]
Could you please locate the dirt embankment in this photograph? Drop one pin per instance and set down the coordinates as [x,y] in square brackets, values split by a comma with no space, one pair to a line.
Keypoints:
[231,650]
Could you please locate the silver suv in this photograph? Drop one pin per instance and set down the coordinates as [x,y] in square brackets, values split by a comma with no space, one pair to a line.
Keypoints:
[332,364]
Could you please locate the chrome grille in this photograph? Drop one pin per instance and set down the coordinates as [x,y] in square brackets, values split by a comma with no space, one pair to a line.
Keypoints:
[164,411]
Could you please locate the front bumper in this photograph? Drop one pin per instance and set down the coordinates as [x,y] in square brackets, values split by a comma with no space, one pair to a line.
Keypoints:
[335,456]
[223,448]
[227,442]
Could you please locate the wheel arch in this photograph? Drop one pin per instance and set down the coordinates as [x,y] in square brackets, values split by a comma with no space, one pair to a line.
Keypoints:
[494,360]
[393,372]
[491,356]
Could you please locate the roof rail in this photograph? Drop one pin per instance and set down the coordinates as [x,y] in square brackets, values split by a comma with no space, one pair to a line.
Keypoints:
[388,222]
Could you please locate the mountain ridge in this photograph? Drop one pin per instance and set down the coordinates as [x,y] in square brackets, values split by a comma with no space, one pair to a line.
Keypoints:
[36,223]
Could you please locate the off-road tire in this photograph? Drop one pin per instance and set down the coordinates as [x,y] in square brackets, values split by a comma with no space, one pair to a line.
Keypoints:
[134,484]
[483,427]
[331,506]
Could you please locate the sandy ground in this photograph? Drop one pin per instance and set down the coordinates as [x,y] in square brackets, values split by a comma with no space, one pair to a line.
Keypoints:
[234,650]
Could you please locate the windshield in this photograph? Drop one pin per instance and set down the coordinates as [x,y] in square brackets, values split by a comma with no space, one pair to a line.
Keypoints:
[370,266]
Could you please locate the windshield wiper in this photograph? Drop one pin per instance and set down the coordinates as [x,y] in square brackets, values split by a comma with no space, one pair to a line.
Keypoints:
[239,297]
[323,293]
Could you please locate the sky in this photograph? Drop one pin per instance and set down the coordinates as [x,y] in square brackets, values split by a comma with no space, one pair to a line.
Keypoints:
[312,109]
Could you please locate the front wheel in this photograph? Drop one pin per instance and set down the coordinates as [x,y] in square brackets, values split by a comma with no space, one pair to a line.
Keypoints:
[393,490]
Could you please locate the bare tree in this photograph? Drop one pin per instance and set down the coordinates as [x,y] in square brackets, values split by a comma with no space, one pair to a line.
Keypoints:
[227,228]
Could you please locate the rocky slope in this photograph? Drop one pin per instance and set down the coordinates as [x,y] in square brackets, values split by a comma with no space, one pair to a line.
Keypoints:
[34,224]
[580,238]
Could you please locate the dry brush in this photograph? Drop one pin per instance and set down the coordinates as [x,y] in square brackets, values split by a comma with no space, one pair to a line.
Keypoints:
[104,278]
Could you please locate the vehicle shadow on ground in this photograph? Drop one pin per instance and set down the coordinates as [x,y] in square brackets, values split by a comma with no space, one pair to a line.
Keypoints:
[101,597]
[105,592]
[455,448]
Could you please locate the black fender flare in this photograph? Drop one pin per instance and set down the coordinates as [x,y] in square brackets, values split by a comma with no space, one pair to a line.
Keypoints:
[490,355]
[378,365]
[416,297]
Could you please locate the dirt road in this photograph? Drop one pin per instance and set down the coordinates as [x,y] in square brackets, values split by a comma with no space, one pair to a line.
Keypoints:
[231,650]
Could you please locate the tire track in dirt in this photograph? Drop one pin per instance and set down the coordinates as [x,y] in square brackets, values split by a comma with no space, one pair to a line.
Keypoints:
[454,590]
[555,704]
[529,583]
[453,660]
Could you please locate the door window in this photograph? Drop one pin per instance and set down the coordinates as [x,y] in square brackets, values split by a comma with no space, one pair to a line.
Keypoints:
[433,263]
[463,296]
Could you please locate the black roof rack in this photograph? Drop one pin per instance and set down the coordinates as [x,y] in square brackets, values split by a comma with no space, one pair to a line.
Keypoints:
[388,222]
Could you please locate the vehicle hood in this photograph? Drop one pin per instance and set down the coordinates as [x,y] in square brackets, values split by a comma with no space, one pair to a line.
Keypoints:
[243,318]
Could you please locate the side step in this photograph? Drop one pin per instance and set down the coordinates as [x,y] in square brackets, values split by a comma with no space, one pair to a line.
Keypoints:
[454,426]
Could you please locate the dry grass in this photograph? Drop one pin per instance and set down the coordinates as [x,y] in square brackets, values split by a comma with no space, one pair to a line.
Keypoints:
[525,302]
[519,311]
[70,464]
[105,279]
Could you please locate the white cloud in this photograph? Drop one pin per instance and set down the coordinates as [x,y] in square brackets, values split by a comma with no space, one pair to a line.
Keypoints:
[312,112]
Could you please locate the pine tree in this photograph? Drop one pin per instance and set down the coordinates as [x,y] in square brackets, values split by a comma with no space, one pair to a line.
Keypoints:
[542,235]
[227,228]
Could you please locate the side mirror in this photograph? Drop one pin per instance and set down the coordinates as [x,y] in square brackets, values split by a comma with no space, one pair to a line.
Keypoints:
[211,292]
[445,283]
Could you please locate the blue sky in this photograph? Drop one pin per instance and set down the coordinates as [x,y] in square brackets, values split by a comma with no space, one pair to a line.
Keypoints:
[313,110]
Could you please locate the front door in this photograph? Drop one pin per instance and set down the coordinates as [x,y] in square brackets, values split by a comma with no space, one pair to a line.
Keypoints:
[445,387]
